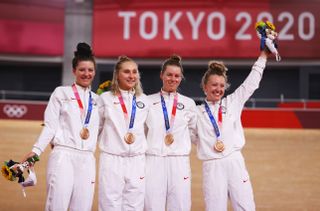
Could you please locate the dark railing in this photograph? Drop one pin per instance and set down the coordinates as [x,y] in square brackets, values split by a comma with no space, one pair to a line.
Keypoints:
[24,95]
[251,103]
[281,103]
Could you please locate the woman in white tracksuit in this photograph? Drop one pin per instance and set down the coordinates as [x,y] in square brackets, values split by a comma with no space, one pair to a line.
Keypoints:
[123,111]
[221,138]
[71,123]
[170,124]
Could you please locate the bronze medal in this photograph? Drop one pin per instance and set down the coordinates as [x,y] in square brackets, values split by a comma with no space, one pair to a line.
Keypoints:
[129,138]
[168,139]
[84,133]
[219,146]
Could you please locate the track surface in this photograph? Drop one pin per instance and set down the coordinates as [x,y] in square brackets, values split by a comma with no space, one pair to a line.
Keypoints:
[284,165]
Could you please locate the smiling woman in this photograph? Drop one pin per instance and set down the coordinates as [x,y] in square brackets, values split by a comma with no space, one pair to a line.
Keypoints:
[123,112]
[215,81]
[168,173]
[84,73]
[221,137]
[71,127]
[171,74]
[126,76]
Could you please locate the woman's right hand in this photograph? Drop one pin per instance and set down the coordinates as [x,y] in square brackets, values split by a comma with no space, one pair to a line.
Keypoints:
[30,154]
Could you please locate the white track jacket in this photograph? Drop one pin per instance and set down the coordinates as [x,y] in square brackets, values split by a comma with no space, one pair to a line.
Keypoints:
[184,125]
[63,121]
[231,132]
[114,126]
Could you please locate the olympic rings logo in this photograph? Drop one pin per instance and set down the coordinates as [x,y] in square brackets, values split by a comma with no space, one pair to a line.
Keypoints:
[15,110]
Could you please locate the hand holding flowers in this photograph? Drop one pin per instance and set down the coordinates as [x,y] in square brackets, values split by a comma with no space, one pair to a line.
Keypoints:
[12,170]
[268,37]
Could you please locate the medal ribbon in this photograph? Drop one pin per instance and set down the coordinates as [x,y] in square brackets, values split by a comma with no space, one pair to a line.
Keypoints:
[125,112]
[165,112]
[212,119]
[220,116]
[76,94]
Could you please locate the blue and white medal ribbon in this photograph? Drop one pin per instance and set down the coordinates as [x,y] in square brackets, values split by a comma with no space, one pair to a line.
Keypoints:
[218,146]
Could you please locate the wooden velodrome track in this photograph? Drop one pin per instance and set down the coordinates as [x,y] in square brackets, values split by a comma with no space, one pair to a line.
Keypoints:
[284,165]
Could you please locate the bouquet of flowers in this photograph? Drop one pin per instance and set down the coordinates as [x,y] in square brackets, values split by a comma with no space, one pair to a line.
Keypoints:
[268,37]
[12,170]
[105,86]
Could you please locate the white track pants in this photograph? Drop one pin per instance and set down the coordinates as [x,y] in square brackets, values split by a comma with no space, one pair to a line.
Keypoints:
[168,183]
[121,182]
[70,180]
[227,177]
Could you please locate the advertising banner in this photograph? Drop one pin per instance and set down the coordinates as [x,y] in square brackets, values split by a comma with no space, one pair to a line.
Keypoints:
[201,29]
[31,28]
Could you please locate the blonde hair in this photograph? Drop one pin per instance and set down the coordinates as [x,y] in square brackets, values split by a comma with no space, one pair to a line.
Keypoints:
[115,89]
[215,68]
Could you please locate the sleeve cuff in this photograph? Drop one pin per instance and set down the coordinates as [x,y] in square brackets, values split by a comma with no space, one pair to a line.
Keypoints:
[37,150]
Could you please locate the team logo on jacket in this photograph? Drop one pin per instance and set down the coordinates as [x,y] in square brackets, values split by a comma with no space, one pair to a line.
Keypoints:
[140,104]
[94,102]
[180,106]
